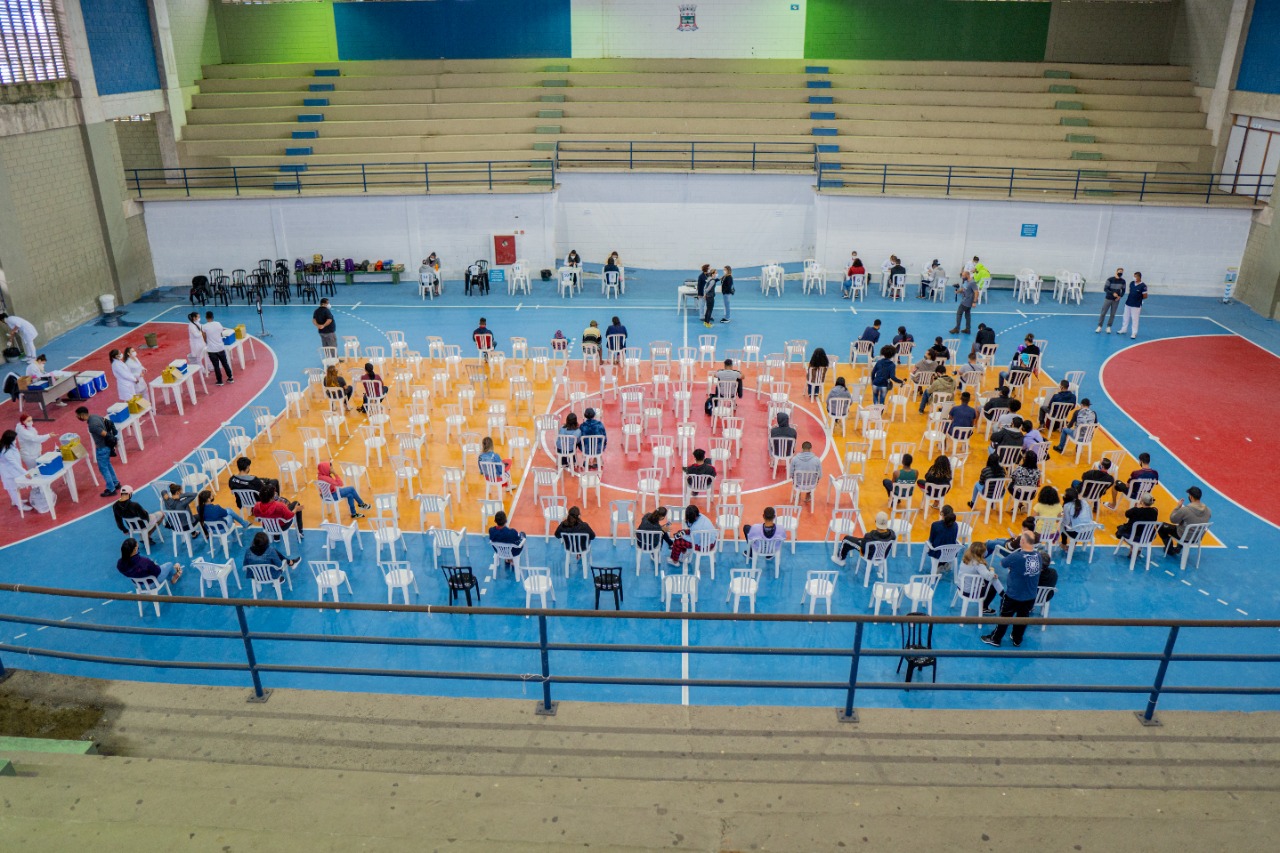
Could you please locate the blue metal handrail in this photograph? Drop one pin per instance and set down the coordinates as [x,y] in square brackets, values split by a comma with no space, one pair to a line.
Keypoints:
[690,155]
[856,653]
[412,176]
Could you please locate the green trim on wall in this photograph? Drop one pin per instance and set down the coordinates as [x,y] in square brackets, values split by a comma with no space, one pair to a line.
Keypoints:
[277,32]
[926,29]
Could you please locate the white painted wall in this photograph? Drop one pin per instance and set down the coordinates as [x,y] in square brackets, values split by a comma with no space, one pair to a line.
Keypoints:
[1183,250]
[684,220]
[762,29]
[189,237]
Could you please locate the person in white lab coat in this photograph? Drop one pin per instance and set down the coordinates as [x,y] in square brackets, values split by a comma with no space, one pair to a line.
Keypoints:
[139,372]
[30,441]
[195,342]
[11,468]
[126,386]
[21,330]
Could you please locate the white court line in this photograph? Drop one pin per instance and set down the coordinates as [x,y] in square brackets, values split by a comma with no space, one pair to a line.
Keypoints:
[684,661]
[1103,385]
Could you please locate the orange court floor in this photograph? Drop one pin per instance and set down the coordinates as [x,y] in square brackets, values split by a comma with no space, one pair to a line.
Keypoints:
[447,385]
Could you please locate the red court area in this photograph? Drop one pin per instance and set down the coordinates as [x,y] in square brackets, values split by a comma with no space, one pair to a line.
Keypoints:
[1211,402]
[179,435]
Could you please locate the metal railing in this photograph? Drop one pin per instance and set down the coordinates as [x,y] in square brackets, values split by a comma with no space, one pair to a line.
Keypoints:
[1096,182]
[688,156]
[856,652]
[354,177]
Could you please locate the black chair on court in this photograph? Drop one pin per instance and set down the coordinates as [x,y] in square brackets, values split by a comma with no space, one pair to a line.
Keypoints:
[460,580]
[608,579]
[222,291]
[917,638]
[327,285]
[239,283]
[281,291]
[199,290]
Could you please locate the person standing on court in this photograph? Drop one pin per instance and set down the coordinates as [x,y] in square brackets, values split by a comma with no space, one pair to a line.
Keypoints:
[1020,588]
[726,290]
[19,329]
[968,295]
[215,348]
[707,291]
[1112,292]
[323,320]
[1133,305]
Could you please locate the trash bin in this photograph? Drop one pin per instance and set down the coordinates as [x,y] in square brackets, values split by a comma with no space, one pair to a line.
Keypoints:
[151,339]
[108,303]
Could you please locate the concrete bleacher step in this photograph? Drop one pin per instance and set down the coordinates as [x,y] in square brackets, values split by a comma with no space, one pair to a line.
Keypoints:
[550,113]
[10,744]
[327,72]
[1086,155]
[1064,90]
[1057,73]
[1068,105]
[315,102]
[321,87]
[298,152]
[310,117]
[1075,121]
[821,99]
[551,99]
[1081,137]
[305,134]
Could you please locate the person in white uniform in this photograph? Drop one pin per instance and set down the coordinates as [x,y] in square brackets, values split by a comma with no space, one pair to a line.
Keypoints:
[11,468]
[195,342]
[139,372]
[126,387]
[21,330]
[30,441]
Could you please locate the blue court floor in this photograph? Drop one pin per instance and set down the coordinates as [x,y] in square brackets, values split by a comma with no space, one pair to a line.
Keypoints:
[1234,582]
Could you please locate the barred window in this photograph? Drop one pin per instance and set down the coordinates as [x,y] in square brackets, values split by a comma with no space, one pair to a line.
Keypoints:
[30,42]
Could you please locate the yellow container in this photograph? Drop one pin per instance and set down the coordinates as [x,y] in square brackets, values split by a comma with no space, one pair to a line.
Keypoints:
[240,333]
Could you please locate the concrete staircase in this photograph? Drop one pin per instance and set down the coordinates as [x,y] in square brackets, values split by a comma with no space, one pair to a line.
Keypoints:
[199,768]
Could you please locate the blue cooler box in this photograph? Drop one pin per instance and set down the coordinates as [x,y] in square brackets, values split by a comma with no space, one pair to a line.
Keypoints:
[229,337]
[118,412]
[99,379]
[49,463]
[85,385]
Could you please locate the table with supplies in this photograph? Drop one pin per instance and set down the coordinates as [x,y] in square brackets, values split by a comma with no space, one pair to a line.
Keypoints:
[184,378]
[36,479]
[53,387]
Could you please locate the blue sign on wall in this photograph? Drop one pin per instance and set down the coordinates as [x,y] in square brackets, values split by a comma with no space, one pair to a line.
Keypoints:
[1030,230]
[479,29]
[1260,63]
[119,36]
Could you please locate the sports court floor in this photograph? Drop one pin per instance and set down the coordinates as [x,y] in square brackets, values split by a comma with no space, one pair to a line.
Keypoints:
[1194,391]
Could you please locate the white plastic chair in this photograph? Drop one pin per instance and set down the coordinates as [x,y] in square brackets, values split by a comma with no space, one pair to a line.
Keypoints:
[216,573]
[683,586]
[537,582]
[328,578]
[398,575]
[743,583]
[261,575]
[819,585]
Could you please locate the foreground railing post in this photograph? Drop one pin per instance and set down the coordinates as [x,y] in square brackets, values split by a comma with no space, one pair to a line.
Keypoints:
[848,715]
[1142,190]
[546,708]
[1148,717]
[258,695]
[185,183]
[4,673]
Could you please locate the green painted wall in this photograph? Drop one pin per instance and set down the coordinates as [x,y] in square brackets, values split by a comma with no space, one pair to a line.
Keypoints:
[926,29]
[277,32]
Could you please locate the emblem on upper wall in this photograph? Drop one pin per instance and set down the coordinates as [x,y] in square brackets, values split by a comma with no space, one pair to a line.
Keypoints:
[688,18]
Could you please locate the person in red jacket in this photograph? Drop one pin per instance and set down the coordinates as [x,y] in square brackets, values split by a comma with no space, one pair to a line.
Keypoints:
[855,268]
[271,505]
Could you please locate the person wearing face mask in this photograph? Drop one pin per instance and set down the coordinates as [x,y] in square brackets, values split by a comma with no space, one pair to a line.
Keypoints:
[30,441]
[195,342]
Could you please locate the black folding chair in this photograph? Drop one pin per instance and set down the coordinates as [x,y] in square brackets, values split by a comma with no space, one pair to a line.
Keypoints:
[460,580]
[915,641]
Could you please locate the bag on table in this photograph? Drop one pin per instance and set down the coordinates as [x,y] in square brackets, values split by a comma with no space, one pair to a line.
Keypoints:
[137,404]
[169,375]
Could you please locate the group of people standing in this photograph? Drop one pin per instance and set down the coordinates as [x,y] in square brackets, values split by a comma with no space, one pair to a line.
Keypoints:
[710,281]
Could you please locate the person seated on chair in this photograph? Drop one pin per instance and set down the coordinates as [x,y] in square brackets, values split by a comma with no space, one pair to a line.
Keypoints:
[993,470]
[207,511]
[928,275]
[484,337]
[616,328]
[591,335]
[591,427]
[1007,436]
[881,533]
[1000,401]
[816,373]
[242,480]
[1048,504]
[1188,511]
[944,531]
[961,415]
[855,268]
[871,333]
[700,465]
[728,373]
[805,462]
[1011,419]
[1064,394]
[896,268]
[903,336]
[1077,517]
[613,264]
[490,456]
[332,379]
[1082,416]
[126,507]
[657,522]
[262,553]
[1027,472]
[784,429]
[573,259]
[905,474]
[271,505]
[938,351]
[943,384]
[975,563]
[1030,435]
[374,389]
[1144,510]
[501,534]
[985,336]
[694,522]
[839,391]
[338,491]
[573,523]
[136,566]
[1000,548]
[1100,472]
[884,373]
[179,501]
[1144,471]
[939,473]
[766,529]
[570,428]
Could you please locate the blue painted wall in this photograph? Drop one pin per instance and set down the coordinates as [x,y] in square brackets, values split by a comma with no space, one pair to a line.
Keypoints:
[1260,65]
[453,29]
[120,45]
